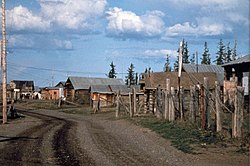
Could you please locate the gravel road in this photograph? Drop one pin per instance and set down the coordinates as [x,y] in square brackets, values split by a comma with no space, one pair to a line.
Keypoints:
[47,137]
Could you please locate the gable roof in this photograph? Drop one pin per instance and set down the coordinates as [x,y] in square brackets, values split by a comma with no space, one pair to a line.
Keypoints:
[20,84]
[110,89]
[153,80]
[61,83]
[244,59]
[86,82]
[202,68]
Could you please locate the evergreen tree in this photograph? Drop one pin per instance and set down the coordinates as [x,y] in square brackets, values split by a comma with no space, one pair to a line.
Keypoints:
[112,73]
[167,66]
[228,54]
[146,70]
[176,64]
[136,78]
[185,56]
[234,55]
[206,56]
[130,79]
[220,54]
[192,59]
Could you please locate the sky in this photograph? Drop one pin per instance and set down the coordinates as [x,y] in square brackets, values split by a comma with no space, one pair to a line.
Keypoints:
[49,40]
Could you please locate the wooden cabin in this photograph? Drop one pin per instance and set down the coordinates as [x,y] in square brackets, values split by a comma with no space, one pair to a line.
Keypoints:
[22,89]
[78,88]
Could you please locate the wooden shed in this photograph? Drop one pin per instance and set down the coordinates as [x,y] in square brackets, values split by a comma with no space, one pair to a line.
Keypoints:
[50,93]
[78,88]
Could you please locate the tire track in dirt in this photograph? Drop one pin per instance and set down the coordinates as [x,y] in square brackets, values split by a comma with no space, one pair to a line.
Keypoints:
[27,150]
[118,152]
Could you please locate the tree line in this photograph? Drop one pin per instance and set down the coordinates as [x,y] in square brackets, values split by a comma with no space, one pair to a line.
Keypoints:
[224,53]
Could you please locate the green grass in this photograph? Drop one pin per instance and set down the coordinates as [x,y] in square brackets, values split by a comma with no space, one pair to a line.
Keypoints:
[183,136]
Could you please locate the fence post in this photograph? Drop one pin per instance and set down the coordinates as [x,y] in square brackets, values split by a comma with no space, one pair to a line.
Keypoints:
[202,111]
[191,107]
[151,101]
[130,105]
[238,112]
[206,103]
[134,100]
[171,105]
[167,101]
[217,107]
[117,105]
[181,102]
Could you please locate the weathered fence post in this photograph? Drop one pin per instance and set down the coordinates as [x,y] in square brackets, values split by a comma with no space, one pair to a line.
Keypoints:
[238,112]
[217,107]
[181,102]
[171,105]
[191,107]
[117,105]
[167,101]
[158,102]
[134,100]
[202,111]
[130,105]
[206,103]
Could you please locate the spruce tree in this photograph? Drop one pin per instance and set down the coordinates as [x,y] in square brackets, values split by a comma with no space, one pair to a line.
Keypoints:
[130,79]
[185,55]
[167,67]
[228,54]
[234,55]
[192,59]
[206,56]
[220,54]
[112,73]
[176,64]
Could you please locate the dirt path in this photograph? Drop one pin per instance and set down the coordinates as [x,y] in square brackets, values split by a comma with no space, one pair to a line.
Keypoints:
[56,138]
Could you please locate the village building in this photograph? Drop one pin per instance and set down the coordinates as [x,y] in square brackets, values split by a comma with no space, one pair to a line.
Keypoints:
[239,69]
[50,93]
[62,92]
[151,82]
[105,95]
[78,88]
[203,68]
[22,89]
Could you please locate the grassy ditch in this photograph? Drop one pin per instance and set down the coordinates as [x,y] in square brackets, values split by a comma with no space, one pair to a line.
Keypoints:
[183,136]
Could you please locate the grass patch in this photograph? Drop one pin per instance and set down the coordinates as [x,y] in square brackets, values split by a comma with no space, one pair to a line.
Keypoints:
[182,135]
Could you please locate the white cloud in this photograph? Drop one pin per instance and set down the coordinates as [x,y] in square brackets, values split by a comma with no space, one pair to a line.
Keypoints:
[160,53]
[72,14]
[21,18]
[202,29]
[126,23]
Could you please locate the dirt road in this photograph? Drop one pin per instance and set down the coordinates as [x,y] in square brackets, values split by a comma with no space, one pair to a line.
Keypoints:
[54,138]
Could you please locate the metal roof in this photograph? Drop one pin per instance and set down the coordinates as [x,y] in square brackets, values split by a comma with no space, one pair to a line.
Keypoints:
[109,89]
[192,68]
[203,68]
[86,82]
[244,59]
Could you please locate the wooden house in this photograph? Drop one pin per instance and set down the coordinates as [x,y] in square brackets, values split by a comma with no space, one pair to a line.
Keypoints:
[50,93]
[62,92]
[157,80]
[239,69]
[22,89]
[78,88]
[106,94]
[203,68]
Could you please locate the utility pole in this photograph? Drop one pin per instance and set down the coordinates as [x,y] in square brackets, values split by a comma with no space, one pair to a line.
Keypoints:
[3,54]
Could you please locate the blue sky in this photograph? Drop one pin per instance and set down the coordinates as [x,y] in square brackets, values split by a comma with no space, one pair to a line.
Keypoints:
[49,40]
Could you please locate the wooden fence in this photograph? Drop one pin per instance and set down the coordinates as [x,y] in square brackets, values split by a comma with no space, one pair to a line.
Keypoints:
[200,105]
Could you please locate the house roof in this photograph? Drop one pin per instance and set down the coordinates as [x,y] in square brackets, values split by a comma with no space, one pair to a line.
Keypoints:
[110,89]
[20,83]
[244,59]
[192,68]
[50,88]
[86,82]
[61,83]
[153,80]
